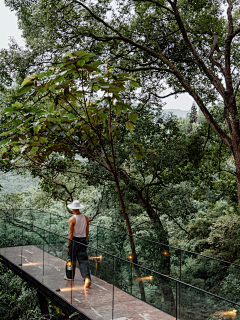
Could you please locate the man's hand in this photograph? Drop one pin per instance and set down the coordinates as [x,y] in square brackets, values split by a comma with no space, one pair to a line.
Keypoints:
[67,249]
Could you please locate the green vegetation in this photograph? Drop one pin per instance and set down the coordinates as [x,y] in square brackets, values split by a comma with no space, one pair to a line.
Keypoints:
[19,301]
[89,125]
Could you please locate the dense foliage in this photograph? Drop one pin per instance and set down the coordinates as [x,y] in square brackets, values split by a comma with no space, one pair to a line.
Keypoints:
[85,129]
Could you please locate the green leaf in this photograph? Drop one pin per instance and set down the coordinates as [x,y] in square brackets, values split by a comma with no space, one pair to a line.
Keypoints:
[16,122]
[81,63]
[72,117]
[27,82]
[43,140]
[41,112]
[41,89]
[88,68]
[102,116]
[51,108]
[63,112]
[9,110]
[17,105]
[4,141]
[133,117]
[95,64]
[113,88]
[67,54]
[134,84]
[73,315]
[16,148]
[132,78]
[34,150]
[123,75]
[52,88]
[82,53]
[53,120]
[23,90]
[110,159]
[129,126]
[6,133]
[118,109]
[41,75]
[41,120]
[138,156]
[37,128]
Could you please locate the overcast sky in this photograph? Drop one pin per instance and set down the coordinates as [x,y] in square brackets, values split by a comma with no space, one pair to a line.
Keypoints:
[9,28]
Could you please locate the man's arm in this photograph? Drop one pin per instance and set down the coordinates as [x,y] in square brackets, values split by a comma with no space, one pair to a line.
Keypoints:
[87,228]
[70,235]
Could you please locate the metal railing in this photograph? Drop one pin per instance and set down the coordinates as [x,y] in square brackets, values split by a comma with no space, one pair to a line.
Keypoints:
[201,271]
[181,300]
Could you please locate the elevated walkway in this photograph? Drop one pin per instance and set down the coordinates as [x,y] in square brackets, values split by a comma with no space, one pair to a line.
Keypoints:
[38,256]
[102,301]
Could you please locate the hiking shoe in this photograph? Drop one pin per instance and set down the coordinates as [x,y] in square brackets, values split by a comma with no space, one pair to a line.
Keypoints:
[66,278]
[87,283]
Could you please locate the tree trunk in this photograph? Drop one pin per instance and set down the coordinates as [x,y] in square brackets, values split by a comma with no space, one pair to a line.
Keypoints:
[165,265]
[236,155]
[131,239]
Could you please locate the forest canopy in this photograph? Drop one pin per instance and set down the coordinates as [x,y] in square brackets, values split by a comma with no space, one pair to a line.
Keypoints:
[81,110]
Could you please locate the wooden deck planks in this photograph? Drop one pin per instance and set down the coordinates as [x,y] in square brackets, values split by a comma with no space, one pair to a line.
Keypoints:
[96,302]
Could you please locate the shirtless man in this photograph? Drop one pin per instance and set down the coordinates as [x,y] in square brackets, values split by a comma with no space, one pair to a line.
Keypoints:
[78,231]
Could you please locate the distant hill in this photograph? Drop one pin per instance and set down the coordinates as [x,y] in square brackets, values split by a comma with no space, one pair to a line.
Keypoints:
[177,112]
[13,183]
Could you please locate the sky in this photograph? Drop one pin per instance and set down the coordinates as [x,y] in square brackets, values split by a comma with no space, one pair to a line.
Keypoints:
[9,28]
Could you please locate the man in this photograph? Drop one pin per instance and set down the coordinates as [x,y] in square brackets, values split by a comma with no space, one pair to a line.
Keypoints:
[78,231]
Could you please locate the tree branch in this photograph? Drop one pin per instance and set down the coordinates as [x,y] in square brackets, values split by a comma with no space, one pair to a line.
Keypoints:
[170,94]
[157,3]
[145,69]
[58,169]
[213,78]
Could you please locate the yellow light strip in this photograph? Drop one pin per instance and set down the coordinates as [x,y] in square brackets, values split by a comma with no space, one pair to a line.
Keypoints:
[150,278]
[231,313]
[32,264]
[95,258]
[69,289]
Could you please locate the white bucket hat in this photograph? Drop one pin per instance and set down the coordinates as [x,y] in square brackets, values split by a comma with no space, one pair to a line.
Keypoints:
[75,205]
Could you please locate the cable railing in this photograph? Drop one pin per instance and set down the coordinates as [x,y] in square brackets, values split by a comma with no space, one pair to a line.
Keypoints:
[177,298]
[204,272]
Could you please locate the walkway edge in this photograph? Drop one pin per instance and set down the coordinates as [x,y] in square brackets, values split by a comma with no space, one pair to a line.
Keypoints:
[58,301]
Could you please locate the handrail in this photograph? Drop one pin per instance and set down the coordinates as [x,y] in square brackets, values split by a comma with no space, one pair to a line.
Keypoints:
[132,263]
[148,240]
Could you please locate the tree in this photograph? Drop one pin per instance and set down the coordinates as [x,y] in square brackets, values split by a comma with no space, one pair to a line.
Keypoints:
[192,117]
[74,109]
[189,46]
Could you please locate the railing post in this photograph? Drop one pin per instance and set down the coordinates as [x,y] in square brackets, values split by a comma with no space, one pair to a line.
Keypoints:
[50,227]
[180,265]
[71,248]
[32,230]
[43,254]
[22,244]
[113,287]
[176,300]
[5,230]
[97,237]
[131,275]
[180,285]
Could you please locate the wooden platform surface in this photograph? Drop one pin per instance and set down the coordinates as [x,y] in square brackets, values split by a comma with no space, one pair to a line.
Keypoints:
[95,302]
